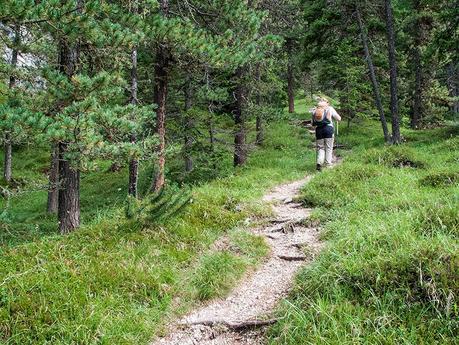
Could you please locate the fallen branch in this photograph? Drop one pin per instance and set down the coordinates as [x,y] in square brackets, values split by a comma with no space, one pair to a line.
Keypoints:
[292,258]
[234,326]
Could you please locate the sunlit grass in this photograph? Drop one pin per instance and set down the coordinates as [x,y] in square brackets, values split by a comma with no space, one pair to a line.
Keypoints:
[390,271]
[115,282]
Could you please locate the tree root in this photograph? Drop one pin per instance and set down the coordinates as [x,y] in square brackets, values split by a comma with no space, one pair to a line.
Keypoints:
[292,258]
[233,326]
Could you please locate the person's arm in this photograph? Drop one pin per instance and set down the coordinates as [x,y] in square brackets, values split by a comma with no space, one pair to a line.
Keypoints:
[335,114]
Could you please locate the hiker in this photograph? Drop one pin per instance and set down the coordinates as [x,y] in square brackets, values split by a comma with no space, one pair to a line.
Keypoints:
[322,119]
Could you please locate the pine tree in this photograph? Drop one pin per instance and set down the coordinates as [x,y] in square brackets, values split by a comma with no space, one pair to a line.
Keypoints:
[396,139]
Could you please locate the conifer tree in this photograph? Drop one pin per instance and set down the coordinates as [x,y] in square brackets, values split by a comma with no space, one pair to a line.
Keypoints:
[394,107]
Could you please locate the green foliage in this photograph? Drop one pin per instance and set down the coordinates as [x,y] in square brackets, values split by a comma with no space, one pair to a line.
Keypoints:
[389,273]
[158,206]
[114,280]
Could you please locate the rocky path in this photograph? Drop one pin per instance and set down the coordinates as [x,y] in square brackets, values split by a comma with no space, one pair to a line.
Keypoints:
[240,317]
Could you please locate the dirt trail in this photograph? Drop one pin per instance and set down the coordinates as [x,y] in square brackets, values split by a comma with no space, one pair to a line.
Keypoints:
[292,246]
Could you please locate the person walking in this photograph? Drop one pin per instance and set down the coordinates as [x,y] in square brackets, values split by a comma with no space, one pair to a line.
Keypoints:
[322,119]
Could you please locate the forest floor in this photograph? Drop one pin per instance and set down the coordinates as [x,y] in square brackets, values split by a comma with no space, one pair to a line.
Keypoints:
[235,319]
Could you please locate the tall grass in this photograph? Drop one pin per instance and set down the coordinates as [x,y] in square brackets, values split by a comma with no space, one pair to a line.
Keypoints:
[115,282]
[390,271]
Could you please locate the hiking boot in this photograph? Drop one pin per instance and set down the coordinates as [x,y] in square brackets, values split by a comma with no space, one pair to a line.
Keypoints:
[319,167]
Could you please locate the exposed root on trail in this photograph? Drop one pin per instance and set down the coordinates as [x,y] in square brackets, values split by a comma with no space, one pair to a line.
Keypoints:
[240,318]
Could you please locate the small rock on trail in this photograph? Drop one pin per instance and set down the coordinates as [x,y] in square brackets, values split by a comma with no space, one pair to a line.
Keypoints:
[257,296]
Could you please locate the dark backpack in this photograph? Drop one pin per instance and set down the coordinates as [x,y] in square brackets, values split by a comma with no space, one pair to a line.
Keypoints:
[319,121]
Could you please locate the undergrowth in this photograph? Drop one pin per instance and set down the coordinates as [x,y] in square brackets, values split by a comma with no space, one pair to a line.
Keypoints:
[390,271]
[118,280]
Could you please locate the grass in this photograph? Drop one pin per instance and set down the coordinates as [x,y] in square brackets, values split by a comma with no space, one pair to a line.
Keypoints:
[116,282]
[390,272]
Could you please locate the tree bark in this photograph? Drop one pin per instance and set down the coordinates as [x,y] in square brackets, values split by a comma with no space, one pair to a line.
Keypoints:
[417,97]
[69,177]
[8,159]
[53,196]
[418,72]
[374,81]
[259,118]
[160,95]
[240,149]
[212,142]
[8,147]
[133,162]
[290,77]
[69,194]
[396,139]
[188,126]
[260,131]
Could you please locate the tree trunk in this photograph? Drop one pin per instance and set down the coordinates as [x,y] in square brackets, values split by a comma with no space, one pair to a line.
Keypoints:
[133,162]
[417,97]
[212,142]
[240,149]
[69,177]
[7,159]
[188,126]
[374,81]
[53,196]
[418,72]
[69,194]
[8,149]
[260,130]
[160,95]
[290,77]
[396,139]
[453,86]
[259,118]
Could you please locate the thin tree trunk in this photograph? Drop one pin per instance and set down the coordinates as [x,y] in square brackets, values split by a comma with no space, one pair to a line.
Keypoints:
[212,142]
[160,95]
[53,196]
[417,99]
[133,162]
[69,177]
[240,150]
[8,159]
[188,126]
[259,118]
[8,147]
[418,87]
[260,130]
[290,77]
[453,86]
[374,81]
[396,139]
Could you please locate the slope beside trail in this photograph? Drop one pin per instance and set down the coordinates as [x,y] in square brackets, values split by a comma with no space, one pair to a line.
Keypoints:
[239,318]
